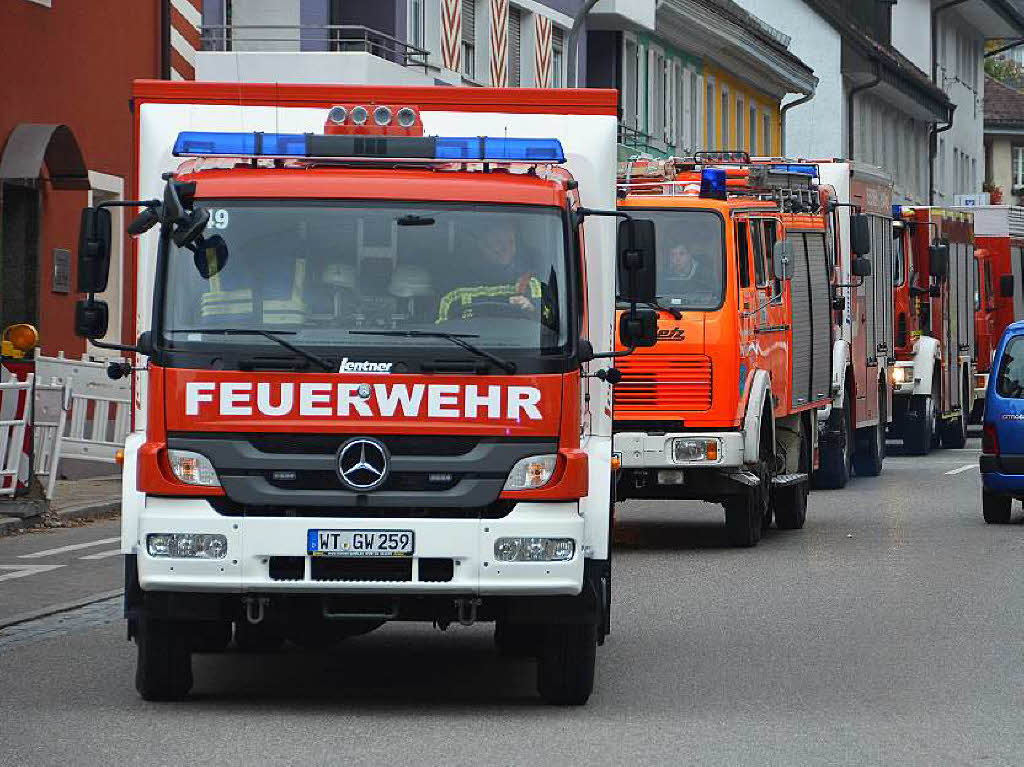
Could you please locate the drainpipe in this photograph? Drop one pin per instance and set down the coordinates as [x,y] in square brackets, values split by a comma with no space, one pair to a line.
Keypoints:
[573,41]
[782,116]
[933,151]
[165,39]
[849,106]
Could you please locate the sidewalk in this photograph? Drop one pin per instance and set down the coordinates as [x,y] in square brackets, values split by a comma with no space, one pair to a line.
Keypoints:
[74,502]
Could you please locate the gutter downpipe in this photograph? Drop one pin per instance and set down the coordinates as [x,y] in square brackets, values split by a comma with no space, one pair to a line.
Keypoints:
[165,39]
[849,106]
[782,117]
[573,42]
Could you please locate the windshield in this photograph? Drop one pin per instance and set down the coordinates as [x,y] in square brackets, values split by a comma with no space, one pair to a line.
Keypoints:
[314,272]
[689,257]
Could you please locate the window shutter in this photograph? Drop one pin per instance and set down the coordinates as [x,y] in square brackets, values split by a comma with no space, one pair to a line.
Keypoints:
[469,21]
[514,35]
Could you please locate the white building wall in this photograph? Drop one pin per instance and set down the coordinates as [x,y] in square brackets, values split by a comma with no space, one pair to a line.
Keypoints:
[911,31]
[265,12]
[817,128]
[961,75]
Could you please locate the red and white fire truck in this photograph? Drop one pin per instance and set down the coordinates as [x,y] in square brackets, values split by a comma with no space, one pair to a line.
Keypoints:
[854,425]
[369,388]
[933,379]
[998,301]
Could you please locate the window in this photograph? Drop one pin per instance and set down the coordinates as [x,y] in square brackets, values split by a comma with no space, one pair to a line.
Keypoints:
[725,119]
[657,81]
[631,89]
[1018,167]
[515,26]
[741,117]
[694,110]
[760,274]
[469,38]
[977,284]
[709,115]
[989,293]
[770,236]
[753,127]
[557,57]
[898,270]
[974,176]
[743,254]
[766,134]
[942,165]
[416,23]
[1010,382]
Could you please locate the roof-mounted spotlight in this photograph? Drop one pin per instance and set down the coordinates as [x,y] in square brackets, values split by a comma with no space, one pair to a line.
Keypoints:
[337,115]
[406,117]
[359,115]
[382,116]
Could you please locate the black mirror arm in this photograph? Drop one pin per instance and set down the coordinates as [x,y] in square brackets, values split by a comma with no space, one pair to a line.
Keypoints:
[612,355]
[129,204]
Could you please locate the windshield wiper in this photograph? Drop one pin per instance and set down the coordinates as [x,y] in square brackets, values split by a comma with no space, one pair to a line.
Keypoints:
[656,304]
[266,334]
[459,339]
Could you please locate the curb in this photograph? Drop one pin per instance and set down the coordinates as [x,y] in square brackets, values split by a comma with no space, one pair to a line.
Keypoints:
[61,608]
[87,511]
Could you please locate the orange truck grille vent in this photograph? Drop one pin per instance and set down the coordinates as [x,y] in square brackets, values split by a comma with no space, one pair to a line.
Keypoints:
[665,384]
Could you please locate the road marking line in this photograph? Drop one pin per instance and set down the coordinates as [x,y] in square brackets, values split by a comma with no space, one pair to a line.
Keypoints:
[20,571]
[103,554]
[71,547]
[965,467]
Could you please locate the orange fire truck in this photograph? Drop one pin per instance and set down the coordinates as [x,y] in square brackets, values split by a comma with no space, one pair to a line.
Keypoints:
[933,379]
[370,388]
[724,408]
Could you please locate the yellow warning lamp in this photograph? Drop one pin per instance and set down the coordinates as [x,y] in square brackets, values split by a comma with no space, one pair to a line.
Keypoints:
[18,340]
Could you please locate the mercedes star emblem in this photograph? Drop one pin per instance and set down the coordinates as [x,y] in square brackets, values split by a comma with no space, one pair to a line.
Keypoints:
[363,464]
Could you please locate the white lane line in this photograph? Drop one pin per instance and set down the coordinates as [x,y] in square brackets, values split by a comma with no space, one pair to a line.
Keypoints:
[71,547]
[103,554]
[20,571]
[965,467]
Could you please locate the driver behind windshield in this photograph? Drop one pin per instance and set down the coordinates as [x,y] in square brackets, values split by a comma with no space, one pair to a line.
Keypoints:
[499,281]
[682,274]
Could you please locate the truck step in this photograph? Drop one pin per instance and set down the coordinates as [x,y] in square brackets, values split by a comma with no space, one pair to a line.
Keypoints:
[746,478]
[785,480]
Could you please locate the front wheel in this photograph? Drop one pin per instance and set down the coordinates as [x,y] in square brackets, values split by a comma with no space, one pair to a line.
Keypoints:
[919,429]
[996,508]
[836,453]
[566,663]
[164,669]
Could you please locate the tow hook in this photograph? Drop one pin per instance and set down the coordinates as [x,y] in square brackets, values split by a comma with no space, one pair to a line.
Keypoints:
[467,610]
[254,608]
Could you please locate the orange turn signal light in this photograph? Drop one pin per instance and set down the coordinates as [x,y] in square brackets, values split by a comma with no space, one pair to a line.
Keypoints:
[712,450]
[616,464]
[119,457]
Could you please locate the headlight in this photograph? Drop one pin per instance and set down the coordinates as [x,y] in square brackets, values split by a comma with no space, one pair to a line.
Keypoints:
[192,468]
[187,545]
[531,473]
[899,375]
[687,450]
[534,549]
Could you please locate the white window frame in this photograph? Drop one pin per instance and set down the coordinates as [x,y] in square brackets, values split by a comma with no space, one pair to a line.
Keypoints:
[724,117]
[410,16]
[767,144]
[741,120]
[1017,166]
[696,112]
[752,125]
[710,112]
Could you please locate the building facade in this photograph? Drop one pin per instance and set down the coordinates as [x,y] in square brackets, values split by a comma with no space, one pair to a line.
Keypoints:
[1004,143]
[65,142]
[693,75]
[900,86]
[503,43]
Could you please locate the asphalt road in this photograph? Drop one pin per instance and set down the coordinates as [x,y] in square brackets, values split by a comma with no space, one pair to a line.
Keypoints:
[888,631]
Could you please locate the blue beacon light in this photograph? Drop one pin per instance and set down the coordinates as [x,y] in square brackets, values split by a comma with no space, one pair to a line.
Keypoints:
[713,184]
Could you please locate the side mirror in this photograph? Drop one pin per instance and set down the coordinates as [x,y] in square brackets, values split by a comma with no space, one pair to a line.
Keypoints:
[782,265]
[638,328]
[91,318]
[938,261]
[1006,286]
[143,222]
[210,255]
[637,266]
[860,234]
[94,250]
[585,351]
[860,267]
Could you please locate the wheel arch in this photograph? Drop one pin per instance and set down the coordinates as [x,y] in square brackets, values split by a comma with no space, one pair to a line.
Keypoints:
[758,400]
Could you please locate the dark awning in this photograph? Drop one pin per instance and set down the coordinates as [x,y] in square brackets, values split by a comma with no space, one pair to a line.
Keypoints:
[30,144]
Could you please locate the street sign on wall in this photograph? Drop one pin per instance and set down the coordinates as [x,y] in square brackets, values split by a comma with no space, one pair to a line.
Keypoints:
[971,200]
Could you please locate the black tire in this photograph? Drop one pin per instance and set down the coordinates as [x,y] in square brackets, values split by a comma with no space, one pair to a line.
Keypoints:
[259,637]
[867,459]
[517,640]
[996,508]
[566,663]
[164,668]
[747,516]
[954,432]
[835,462]
[918,430]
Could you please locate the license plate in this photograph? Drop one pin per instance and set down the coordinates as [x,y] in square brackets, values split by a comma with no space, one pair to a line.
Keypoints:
[360,543]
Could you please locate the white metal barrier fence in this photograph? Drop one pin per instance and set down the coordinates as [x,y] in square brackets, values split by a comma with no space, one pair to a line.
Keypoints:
[15,415]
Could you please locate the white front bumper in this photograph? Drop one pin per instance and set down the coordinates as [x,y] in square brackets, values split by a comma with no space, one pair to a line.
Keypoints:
[252,541]
[638,450]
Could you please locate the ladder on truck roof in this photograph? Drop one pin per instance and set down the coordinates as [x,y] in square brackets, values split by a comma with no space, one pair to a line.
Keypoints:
[791,185]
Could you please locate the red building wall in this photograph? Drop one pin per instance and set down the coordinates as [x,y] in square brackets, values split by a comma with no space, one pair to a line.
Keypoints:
[73,63]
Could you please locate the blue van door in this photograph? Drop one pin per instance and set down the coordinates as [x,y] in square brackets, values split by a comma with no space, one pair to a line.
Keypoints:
[1005,406]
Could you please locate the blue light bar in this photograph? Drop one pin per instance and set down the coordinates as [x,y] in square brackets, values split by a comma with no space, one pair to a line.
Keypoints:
[214,144]
[801,168]
[497,149]
[713,184]
[480,148]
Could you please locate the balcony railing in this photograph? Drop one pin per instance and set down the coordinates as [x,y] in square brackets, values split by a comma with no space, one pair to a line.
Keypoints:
[342,38]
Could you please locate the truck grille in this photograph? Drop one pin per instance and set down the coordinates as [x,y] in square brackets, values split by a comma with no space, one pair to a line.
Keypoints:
[654,382]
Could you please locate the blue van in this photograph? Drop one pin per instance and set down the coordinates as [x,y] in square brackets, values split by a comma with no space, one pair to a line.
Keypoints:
[1002,442]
